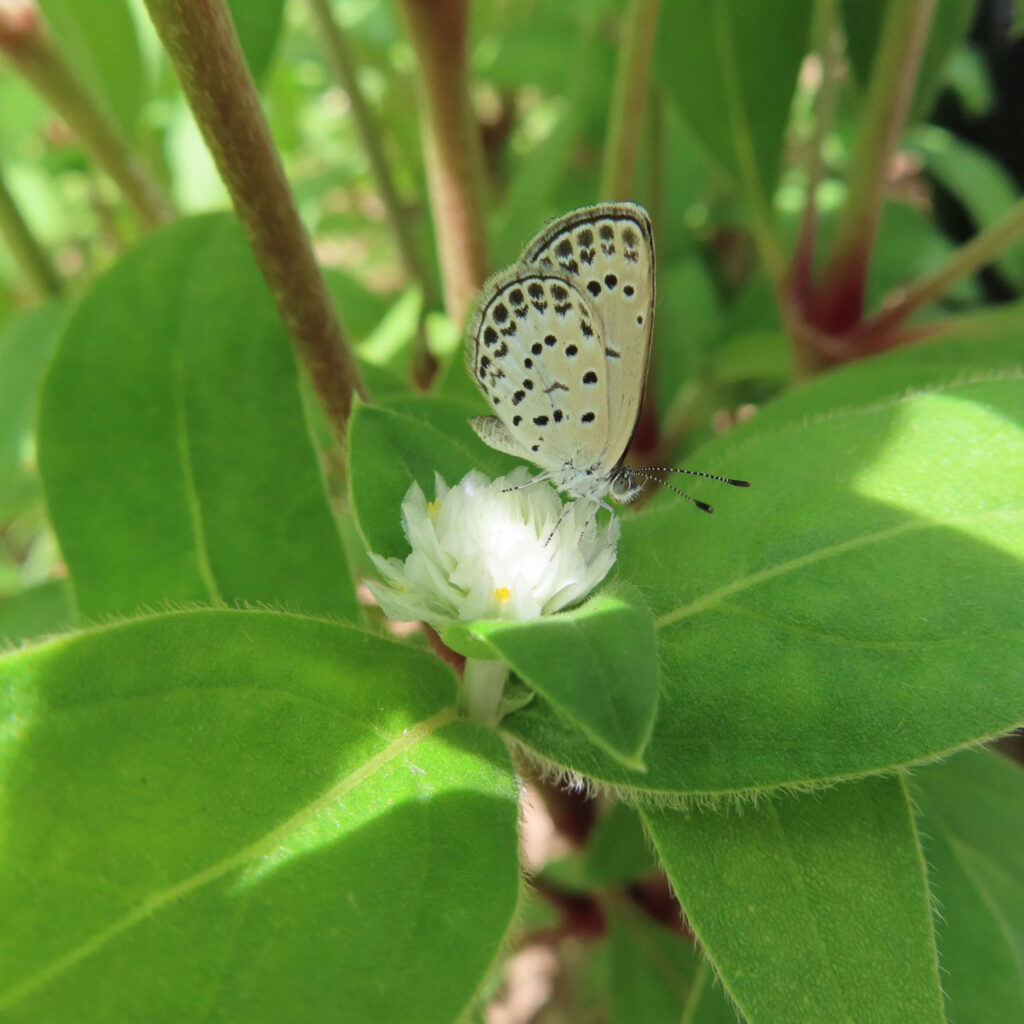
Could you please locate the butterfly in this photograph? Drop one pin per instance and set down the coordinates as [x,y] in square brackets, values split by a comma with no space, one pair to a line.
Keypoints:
[559,345]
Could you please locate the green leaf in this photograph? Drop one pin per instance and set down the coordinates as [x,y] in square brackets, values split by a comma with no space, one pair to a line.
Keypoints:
[972,824]
[887,378]
[597,665]
[731,67]
[862,22]
[656,975]
[246,816]
[406,440]
[172,443]
[36,611]
[688,320]
[99,38]
[979,182]
[910,244]
[875,564]
[26,346]
[617,850]
[258,23]
[800,899]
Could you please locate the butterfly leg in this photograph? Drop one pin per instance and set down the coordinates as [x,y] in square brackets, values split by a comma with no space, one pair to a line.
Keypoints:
[529,483]
[598,505]
[569,506]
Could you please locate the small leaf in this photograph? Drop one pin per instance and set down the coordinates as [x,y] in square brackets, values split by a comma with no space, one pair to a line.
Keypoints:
[174,451]
[687,322]
[597,665]
[36,611]
[797,900]
[617,849]
[282,815]
[657,976]
[407,440]
[972,808]
[258,23]
[26,345]
[100,40]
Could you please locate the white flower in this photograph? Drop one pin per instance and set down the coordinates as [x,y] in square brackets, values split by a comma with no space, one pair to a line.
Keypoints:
[483,551]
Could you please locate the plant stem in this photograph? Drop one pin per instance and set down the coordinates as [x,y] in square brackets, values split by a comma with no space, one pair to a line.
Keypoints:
[828,45]
[439,32]
[988,321]
[629,93]
[981,250]
[342,62]
[30,49]
[200,37]
[754,190]
[483,683]
[30,255]
[840,299]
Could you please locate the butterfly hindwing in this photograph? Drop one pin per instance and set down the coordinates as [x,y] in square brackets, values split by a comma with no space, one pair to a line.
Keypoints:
[538,354]
[607,252]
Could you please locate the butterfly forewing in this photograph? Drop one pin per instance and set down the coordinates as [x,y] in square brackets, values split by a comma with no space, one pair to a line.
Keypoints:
[607,252]
[538,354]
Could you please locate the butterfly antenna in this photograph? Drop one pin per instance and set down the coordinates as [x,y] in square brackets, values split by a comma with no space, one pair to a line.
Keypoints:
[697,472]
[702,505]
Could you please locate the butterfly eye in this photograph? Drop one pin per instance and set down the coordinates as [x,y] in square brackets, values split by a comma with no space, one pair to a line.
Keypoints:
[624,487]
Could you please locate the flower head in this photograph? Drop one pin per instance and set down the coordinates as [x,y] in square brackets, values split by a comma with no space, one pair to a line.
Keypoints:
[481,550]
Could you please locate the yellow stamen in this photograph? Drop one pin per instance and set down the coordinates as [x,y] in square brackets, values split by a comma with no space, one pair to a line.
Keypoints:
[502,594]
[433,507]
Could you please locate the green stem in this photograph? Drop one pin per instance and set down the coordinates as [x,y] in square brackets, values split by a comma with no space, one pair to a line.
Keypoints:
[439,33]
[200,37]
[626,118]
[31,256]
[981,250]
[828,47]
[839,302]
[762,221]
[483,683]
[989,321]
[343,63]
[31,50]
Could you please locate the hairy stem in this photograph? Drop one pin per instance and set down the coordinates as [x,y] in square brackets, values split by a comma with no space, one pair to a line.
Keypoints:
[31,256]
[981,250]
[200,37]
[840,299]
[629,94]
[439,32]
[30,48]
